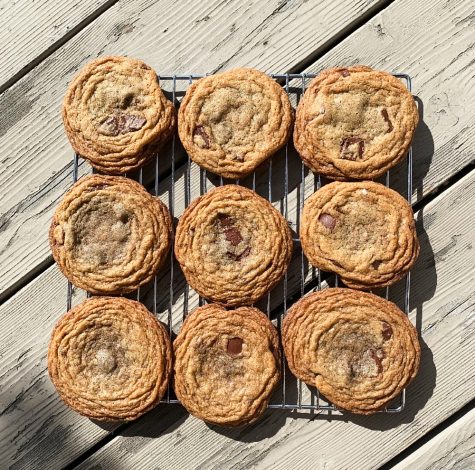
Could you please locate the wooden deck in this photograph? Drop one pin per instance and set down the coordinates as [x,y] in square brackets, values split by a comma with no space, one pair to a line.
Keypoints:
[45,43]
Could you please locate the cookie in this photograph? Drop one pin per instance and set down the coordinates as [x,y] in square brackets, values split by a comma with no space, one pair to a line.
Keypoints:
[358,349]
[229,123]
[354,123]
[232,245]
[362,231]
[227,364]
[109,235]
[116,115]
[110,359]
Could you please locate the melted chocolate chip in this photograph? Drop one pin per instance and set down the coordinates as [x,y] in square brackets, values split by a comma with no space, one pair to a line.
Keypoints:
[110,126]
[124,217]
[225,220]
[233,235]
[328,221]
[385,114]
[97,187]
[240,256]
[376,264]
[387,331]
[234,346]
[345,72]
[121,124]
[246,251]
[127,100]
[130,123]
[351,148]
[378,357]
[238,157]
[200,130]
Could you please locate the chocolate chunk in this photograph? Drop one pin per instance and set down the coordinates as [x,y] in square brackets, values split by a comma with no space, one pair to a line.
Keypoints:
[378,357]
[328,221]
[110,126]
[130,123]
[345,72]
[351,148]
[246,251]
[238,157]
[127,100]
[385,114]
[233,235]
[376,264]
[124,217]
[97,187]
[387,331]
[200,131]
[240,256]
[121,124]
[225,220]
[234,346]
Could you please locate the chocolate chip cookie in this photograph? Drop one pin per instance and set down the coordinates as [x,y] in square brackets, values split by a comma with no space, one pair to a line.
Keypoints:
[231,122]
[110,359]
[358,349]
[227,364]
[115,114]
[354,123]
[109,235]
[362,231]
[232,245]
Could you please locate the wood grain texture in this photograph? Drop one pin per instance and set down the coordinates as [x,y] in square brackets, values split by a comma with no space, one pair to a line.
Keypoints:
[442,303]
[32,419]
[183,36]
[42,24]
[452,449]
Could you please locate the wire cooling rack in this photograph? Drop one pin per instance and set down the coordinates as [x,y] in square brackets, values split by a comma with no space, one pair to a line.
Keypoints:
[286,182]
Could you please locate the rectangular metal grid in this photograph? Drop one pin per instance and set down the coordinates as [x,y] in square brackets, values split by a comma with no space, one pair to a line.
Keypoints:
[294,85]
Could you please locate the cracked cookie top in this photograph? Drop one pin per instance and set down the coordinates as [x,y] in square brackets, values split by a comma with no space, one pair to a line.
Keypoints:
[110,359]
[116,115]
[358,349]
[227,364]
[354,123]
[231,122]
[109,235]
[232,245]
[362,231]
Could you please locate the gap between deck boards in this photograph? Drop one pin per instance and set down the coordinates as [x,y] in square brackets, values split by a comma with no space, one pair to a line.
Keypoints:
[56,45]
[346,31]
[429,435]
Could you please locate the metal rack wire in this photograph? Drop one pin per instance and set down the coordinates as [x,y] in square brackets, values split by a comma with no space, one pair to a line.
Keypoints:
[264,179]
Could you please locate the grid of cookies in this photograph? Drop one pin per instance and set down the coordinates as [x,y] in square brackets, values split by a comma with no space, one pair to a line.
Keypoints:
[286,183]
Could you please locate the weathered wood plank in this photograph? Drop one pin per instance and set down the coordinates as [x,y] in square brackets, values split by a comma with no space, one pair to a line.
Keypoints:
[172,37]
[452,449]
[442,304]
[30,28]
[32,421]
